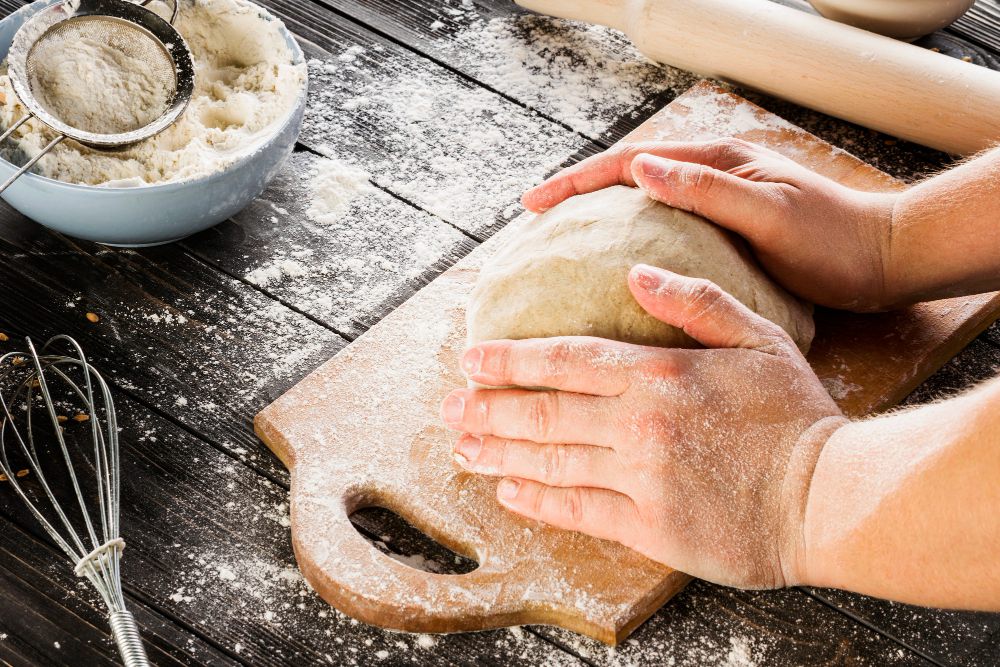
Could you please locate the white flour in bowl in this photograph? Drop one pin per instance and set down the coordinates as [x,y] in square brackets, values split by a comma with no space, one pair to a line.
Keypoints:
[124,92]
[245,86]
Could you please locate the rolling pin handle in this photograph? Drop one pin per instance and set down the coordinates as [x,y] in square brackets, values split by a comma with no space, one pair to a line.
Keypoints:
[843,71]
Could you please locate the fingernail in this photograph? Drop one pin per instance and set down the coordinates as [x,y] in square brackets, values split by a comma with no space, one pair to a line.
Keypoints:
[652,166]
[472,361]
[647,277]
[468,447]
[507,489]
[453,409]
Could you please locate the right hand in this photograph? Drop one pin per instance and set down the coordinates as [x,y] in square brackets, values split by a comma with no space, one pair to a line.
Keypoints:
[823,241]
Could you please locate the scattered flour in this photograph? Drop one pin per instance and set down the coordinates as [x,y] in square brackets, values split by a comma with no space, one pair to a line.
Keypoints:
[458,150]
[585,76]
[276,271]
[454,149]
[351,248]
[838,388]
[245,87]
[334,186]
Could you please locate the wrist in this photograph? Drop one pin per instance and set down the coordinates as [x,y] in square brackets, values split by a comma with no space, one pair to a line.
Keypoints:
[894,290]
[796,560]
[880,213]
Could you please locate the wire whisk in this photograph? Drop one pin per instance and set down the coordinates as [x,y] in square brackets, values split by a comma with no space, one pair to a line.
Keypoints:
[66,468]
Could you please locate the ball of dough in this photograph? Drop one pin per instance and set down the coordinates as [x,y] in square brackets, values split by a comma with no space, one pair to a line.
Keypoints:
[566,273]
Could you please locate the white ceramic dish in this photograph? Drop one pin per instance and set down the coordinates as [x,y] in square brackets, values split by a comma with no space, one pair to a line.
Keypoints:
[902,19]
[154,214]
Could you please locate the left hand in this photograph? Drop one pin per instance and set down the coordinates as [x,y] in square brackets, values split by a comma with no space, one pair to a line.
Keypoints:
[699,459]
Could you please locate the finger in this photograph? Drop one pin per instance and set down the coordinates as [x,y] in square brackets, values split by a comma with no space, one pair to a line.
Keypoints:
[736,203]
[614,167]
[598,512]
[577,364]
[539,416]
[705,312]
[552,465]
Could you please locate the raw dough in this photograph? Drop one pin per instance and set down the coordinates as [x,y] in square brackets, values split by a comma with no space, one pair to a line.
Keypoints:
[565,274]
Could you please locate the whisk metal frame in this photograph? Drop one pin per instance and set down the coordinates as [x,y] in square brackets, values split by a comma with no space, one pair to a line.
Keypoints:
[137,18]
[95,554]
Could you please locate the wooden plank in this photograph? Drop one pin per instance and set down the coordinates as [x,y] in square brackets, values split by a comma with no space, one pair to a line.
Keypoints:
[587,78]
[711,625]
[346,269]
[207,543]
[308,430]
[981,24]
[704,624]
[451,147]
[192,343]
[48,616]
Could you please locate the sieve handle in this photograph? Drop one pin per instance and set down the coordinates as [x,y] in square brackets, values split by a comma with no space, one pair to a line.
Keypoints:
[32,161]
[173,14]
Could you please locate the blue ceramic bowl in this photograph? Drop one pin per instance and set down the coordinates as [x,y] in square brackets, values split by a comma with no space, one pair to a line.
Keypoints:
[153,214]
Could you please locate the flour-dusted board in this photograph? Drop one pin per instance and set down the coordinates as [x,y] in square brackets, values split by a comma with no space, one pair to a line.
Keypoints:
[363,430]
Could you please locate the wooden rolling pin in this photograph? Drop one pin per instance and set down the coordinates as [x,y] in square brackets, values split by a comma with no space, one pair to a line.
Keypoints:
[875,81]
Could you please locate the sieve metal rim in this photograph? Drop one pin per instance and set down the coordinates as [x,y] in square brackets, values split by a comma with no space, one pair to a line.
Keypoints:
[138,17]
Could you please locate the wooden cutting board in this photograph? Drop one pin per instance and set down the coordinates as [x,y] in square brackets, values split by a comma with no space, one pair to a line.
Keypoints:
[363,430]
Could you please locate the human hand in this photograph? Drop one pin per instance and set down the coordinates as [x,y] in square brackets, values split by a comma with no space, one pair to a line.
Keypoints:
[699,459]
[822,241]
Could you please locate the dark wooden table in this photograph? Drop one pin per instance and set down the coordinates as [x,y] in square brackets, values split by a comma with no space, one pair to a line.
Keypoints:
[452,108]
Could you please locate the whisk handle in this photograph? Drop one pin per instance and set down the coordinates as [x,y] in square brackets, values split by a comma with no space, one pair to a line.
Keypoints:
[126,634]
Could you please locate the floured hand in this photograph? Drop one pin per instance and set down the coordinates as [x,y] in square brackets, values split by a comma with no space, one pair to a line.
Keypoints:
[822,241]
[699,459]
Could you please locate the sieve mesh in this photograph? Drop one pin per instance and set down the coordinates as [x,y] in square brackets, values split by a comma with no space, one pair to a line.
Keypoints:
[101,75]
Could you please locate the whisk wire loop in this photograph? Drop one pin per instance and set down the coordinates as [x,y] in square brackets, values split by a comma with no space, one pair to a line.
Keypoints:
[92,543]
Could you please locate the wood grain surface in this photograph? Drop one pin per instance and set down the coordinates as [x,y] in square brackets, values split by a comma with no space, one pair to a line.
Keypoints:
[364,430]
[205,493]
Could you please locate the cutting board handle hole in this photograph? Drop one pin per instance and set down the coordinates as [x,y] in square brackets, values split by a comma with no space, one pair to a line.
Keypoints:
[399,539]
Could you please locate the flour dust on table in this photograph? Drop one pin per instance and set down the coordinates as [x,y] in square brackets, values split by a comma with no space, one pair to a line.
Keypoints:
[586,76]
[245,86]
[457,151]
[334,187]
[350,248]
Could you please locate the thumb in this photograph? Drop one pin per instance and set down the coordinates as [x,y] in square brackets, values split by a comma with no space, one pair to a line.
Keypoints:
[705,312]
[738,204]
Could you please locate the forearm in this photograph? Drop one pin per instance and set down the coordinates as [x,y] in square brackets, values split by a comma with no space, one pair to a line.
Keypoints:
[945,238]
[905,506]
